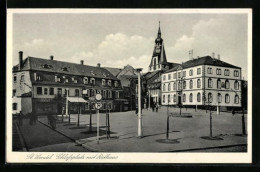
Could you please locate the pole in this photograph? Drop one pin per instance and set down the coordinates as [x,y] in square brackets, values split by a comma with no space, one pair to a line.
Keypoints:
[67,102]
[97,126]
[149,101]
[139,107]
[69,117]
[167,129]
[90,117]
[243,123]
[108,123]
[79,111]
[210,123]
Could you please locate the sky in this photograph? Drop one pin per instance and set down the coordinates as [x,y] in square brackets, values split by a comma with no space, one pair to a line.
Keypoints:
[115,40]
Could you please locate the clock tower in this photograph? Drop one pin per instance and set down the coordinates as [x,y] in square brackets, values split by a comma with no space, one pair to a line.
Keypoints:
[158,61]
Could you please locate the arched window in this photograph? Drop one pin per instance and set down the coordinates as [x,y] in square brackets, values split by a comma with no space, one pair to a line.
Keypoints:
[210,97]
[227,85]
[184,97]
[236,85]
[191,84]
[219,83]
[191,97]
[227,98]
[174,98]
[169,98]
[184,84]
[191,72]
[169,86]
[198,97]
[174,86]
[219,98]
[210,83]
[179,85]
[236,99]
[92,81]
[198,83]
[236,73]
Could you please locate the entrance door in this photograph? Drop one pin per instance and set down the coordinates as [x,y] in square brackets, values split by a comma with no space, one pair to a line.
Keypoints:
[179,100]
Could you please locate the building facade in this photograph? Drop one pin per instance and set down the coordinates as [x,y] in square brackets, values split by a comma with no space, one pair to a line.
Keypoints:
[43,86]
[201,82]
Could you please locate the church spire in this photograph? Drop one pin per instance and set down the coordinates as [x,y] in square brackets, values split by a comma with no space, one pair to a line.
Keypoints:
[159,31]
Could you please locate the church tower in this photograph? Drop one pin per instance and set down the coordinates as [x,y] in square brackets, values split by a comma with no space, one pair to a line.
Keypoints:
[158,61]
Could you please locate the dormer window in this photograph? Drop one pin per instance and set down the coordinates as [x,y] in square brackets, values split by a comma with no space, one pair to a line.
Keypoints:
[92,73]
[104,75]
[116,84]
[103,82]
[66,80]
[109,82]
[85,80]
[75,81]
[92,81]
[57,79]
[37,77]
[46,66]
[72,78]
[65,69]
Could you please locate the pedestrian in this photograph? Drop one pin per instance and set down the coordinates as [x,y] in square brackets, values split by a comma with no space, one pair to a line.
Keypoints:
[157,106]
[153,107]
[35,117]
[20,118]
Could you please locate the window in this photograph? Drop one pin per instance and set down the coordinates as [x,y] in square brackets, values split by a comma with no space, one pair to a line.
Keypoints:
[236,73]
[169,86]
[198,71]
[191,97]
[14,92]
[198,97]
[169,76]
[109,106]
[92,81]
[15,78]
[174,98]
[66,92]
[198,83]
[163,98]
[45,91]
[191,84]
[218,71]
[174,86]
[51,91]
[236,99]
[85,80]
[184,73]
[184,84]
[175,76]
[179,74]
[184,97]
[236,85]
[104,105]
[191,72]
[86,106]
[219,98]
[179,85]
[39,90]
[209,70]
[37,77]
[227,85]
[109,82]
[103,82]
[59,91]
[164,77]
[219,84]
[163,87]
[116,84]
[75,81]
[227,98]
[117,94]
[66,80]
[76,92]
[210,98]
[104,93]
[210,83]
[14,106]
[65,69]
[22,77]
[169,98]
[226,72]
[109,94]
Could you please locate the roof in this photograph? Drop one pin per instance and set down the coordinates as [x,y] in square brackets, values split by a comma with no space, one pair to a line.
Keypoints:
[47,65]
[149,75]
[206,60]
[114,71]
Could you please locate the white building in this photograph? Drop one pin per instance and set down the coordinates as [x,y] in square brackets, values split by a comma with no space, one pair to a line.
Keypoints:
[202,81]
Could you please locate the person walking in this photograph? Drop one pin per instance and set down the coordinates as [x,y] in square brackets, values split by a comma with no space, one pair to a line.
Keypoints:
[153,106]
[156,106]
[35,117]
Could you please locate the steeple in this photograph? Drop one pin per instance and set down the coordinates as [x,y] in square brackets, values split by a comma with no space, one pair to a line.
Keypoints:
[159,31]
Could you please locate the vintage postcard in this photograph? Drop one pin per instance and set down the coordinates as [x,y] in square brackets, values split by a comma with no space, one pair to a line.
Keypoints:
[129,86]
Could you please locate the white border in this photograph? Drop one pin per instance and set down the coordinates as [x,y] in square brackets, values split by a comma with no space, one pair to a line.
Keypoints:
[20,157]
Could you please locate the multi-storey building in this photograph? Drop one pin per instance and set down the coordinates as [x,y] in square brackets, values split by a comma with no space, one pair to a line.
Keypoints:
[201,82]
[43,86]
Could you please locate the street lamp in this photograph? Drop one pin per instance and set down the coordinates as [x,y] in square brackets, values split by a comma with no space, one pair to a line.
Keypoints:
[139,70]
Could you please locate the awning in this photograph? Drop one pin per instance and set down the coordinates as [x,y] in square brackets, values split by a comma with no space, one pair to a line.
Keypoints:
[76,100]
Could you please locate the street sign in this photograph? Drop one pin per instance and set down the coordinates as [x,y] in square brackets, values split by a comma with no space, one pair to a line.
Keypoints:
[98,105]
[98,97]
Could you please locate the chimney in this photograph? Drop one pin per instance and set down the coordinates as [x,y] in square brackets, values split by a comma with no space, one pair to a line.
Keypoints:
[20,59]
[219,56]
[98,65]
[51,57]
[213,55]
[82,62]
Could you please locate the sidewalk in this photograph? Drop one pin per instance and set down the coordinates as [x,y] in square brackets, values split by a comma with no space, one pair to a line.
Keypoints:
[185,133]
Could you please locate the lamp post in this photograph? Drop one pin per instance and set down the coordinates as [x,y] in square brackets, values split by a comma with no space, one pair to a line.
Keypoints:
[167,128]
[139,104]
[67,101]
